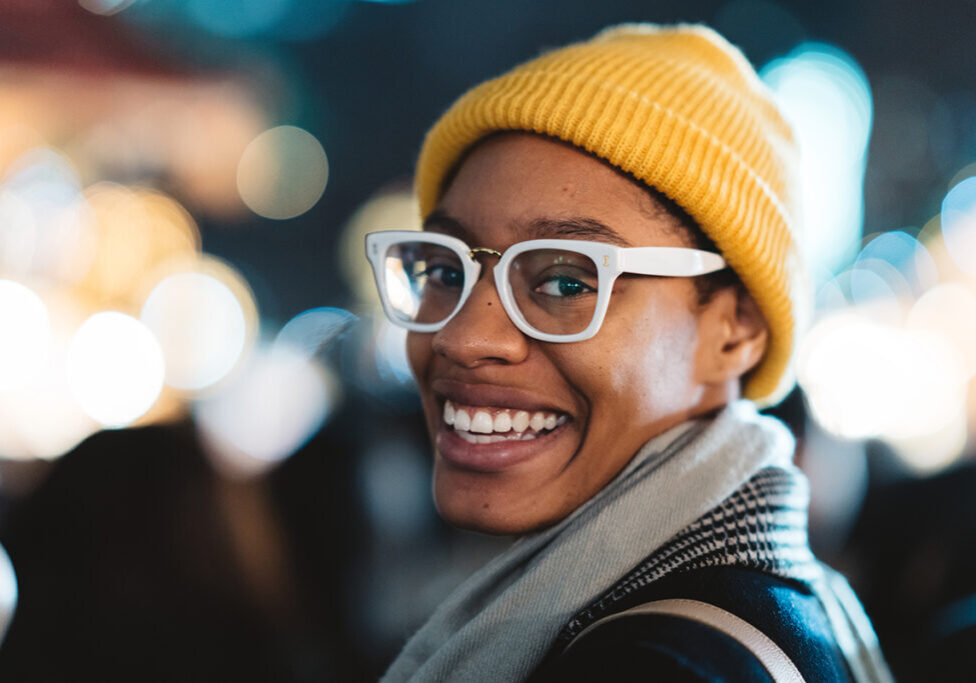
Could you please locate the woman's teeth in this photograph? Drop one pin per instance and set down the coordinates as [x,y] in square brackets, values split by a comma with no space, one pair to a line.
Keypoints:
[477,425]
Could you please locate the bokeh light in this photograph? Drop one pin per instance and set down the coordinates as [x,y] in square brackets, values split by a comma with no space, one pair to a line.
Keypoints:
[200,326]
[950,311]
[907,255]
[24,335]
[18,233]
[137,231]
[959,224]
[115,368]
[313,330]
[395,208]
[236,18]
[247,19]
[391,353]
[867,380]
[825,95]
[265,412]
[41,418]
[8,592]
[105,7]
[877,289]
[46,223]
[282,173]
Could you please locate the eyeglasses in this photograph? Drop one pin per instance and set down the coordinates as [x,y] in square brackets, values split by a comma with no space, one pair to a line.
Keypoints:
[553,290]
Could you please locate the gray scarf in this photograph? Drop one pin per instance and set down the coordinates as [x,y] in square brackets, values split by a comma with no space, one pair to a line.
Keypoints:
[499,624]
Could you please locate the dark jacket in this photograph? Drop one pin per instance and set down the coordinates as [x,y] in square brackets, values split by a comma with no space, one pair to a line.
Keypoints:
[657,647]
[747,556]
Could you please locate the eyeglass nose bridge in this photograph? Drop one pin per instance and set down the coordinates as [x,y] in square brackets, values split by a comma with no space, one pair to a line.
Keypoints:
[483,250]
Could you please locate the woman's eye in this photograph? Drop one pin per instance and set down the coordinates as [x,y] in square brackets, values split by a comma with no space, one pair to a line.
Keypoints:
[444,275]
[563,286]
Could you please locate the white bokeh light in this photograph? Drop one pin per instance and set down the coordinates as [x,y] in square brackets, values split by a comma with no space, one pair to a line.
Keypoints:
[282,173]
[950,311]
[51,230]
[8,592]
[40,418]
[115,368]
[392,362]
[266,411]
[200,326]
[868,380]
[315,329]
[24,334]
[824,95]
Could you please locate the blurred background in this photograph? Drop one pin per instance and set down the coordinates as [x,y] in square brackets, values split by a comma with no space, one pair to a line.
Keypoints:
[212,463]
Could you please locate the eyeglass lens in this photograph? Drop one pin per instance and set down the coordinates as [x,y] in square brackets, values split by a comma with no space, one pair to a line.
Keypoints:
[555,290]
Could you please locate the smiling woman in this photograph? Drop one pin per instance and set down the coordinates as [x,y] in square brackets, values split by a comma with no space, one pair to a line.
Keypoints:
[581,391]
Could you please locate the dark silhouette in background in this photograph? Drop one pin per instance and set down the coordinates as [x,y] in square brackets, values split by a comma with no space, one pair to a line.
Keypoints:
[137,562]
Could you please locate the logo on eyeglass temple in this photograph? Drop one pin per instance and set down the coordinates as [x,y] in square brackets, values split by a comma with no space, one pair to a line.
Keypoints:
[606,260]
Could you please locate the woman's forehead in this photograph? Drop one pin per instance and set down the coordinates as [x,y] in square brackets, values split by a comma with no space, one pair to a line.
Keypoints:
[520,186]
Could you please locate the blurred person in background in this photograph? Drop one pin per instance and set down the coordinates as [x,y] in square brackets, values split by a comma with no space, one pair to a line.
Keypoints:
[914,562]
[606,286]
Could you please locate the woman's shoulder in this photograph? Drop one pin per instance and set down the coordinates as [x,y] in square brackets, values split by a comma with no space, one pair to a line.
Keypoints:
[703,625]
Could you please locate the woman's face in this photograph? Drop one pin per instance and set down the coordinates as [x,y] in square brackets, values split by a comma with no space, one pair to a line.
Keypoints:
[608,395]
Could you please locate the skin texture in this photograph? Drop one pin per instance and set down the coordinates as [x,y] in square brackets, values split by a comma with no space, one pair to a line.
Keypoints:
[659,359]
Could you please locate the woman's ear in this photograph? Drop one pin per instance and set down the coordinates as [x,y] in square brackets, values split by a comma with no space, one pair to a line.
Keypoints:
[733,336]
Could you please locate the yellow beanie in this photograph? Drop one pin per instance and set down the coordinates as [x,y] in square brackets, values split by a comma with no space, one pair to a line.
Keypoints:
[681,109]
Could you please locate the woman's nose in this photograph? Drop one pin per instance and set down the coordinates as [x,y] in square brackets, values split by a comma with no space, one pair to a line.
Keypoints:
[481,332]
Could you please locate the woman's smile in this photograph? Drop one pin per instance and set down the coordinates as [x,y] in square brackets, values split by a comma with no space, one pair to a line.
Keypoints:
[491,438]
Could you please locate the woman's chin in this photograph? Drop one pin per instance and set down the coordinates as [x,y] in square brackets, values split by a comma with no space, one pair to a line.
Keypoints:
[489,507]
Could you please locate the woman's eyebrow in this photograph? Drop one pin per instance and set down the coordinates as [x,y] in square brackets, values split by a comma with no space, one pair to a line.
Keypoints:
[575,227]
[441,222]
[572,227]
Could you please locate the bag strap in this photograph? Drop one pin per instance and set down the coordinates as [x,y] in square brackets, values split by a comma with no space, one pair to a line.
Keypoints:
[776,662]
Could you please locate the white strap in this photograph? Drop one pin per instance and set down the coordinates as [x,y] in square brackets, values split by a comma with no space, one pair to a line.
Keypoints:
[769,654]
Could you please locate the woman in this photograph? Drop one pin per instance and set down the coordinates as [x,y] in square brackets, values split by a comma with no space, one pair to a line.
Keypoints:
[608,264]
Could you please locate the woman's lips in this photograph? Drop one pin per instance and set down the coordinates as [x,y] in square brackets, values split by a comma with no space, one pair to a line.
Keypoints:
[491,439]
[476,394]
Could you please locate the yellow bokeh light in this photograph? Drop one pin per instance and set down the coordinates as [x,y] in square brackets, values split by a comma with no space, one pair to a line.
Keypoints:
[137,231]
[393,209]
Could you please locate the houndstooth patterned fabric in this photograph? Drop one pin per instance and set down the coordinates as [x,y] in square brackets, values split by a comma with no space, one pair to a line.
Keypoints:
[762,525]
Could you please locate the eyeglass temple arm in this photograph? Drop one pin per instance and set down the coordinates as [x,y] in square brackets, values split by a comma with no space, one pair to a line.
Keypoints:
[671,261]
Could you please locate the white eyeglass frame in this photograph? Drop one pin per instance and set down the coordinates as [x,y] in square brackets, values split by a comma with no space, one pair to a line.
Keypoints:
[611,261]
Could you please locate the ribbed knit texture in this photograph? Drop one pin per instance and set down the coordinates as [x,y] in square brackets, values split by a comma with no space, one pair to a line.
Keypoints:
[682,110]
